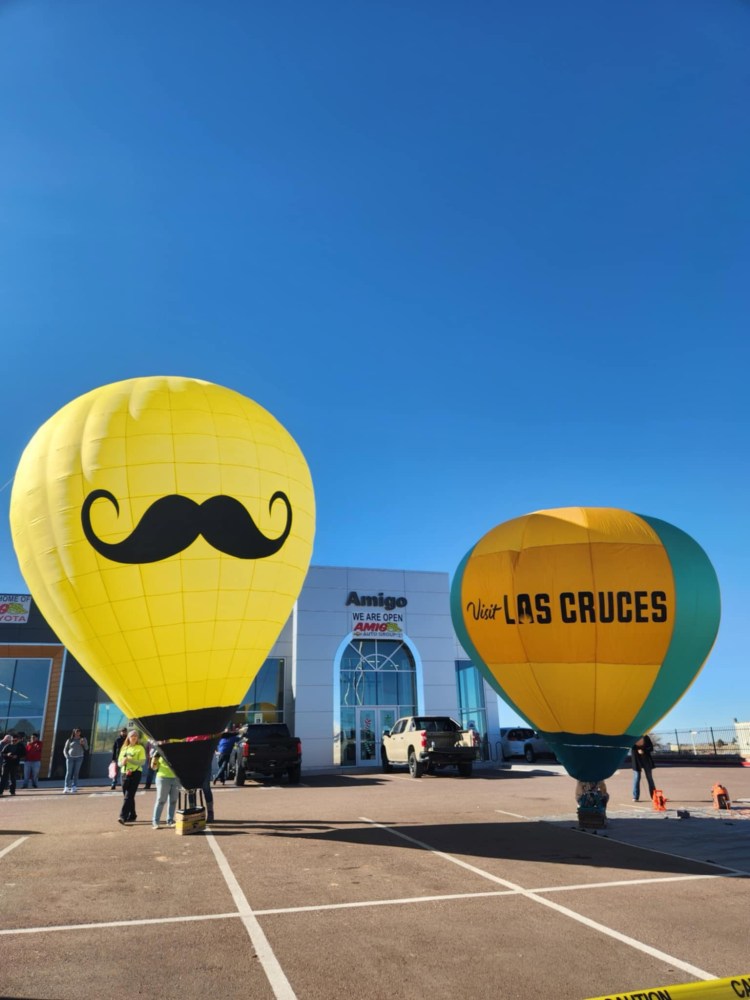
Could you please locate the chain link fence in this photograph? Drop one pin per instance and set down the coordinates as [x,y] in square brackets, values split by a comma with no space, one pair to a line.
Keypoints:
[709,742]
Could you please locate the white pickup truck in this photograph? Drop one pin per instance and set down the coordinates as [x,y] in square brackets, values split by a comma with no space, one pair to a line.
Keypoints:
[427,743]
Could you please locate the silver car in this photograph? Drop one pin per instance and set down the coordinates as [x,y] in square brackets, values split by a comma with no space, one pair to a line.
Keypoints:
[518,741]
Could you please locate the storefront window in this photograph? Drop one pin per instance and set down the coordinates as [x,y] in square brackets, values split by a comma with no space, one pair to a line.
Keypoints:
[378,672]
[108,721]
[264,701]
[471,702]
[23,692]
[348,736]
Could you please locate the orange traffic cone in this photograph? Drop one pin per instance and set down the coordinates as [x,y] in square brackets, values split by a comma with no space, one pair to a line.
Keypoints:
[659,800]
[721,797]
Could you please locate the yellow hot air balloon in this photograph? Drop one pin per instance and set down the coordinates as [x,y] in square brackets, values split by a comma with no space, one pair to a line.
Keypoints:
[164,526]
[591,622]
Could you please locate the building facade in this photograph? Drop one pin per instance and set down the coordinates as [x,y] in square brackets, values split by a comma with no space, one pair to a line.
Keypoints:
[361,648]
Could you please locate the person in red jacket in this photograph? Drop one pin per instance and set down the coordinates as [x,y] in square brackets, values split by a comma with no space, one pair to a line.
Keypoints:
[32,761]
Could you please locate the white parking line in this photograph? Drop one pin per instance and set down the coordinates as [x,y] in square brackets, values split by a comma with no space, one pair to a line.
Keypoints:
[143,922]
[10,847]
[280,985]
[368,903]
[359,904]
[691,970]
[626,882]
[406,900]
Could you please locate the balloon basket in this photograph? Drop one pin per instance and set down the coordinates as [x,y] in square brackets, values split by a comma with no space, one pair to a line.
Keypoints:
[591,819]
[190,816]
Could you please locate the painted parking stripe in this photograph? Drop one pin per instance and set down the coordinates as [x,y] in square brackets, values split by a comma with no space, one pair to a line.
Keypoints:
[618,883]
[359,904]
[143,922]
[447,897]
[10,847]
[691,970]
[280,985]
[369,903]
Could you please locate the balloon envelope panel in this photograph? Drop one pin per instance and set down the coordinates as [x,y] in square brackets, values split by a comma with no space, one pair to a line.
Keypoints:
[590,622]
[164,631]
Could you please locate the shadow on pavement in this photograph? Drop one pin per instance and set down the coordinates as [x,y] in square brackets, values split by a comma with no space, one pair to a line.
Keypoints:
[557,842]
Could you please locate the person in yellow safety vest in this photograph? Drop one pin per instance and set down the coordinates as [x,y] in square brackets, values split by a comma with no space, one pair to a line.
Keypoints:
[131,761]
[167,790]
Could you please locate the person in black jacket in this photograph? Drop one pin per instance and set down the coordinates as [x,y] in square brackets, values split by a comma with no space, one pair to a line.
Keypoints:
[116,752]
[12,754]
[642,761]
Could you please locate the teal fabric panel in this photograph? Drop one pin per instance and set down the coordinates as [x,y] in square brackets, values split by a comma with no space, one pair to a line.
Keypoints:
[590,756]
[697,616]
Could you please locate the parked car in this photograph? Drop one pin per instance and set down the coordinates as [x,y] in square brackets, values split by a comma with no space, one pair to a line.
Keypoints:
[519,741]
[266,750]
[427,743]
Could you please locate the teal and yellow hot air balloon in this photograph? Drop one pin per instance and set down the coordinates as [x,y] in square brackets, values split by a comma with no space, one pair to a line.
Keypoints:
[164,526]
[590,622]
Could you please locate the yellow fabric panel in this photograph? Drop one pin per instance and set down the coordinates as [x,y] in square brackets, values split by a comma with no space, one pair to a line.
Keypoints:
[141,645]
[567,525]
[487,578]
[495,580]
[577,697]
[536,595]
[141,440]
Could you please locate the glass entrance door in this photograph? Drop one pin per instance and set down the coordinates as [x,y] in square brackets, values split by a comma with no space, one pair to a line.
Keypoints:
[370,725]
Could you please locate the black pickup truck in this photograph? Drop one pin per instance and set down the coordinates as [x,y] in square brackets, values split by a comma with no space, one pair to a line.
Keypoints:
[268,750]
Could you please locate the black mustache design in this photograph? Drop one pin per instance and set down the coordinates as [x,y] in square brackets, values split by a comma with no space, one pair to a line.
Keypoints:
[173,522]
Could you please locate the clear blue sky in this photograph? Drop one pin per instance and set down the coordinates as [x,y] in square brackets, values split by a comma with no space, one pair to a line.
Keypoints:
[479,258]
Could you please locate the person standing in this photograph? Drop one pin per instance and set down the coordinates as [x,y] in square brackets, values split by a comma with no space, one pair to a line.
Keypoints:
[227,742]
[32,761]
[116,748]
[642,762]
[74,751]
[131,762]
[208,795]
[167,790]
[10,756]
[149,772]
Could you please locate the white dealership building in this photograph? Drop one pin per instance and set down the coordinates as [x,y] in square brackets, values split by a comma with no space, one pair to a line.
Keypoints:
[361,648]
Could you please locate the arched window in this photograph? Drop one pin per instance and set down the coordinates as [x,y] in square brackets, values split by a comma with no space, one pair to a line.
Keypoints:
[377,684]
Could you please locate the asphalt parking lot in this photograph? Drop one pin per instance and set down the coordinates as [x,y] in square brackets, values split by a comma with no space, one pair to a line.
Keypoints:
[368,884]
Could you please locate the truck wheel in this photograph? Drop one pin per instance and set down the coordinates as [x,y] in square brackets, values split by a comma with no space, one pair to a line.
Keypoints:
[239,778]
[465,768]
[529,754]
[294,774]
[415,767]
[387,767]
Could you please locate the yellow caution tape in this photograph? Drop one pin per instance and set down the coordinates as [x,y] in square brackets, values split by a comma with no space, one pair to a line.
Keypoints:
[721,989]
